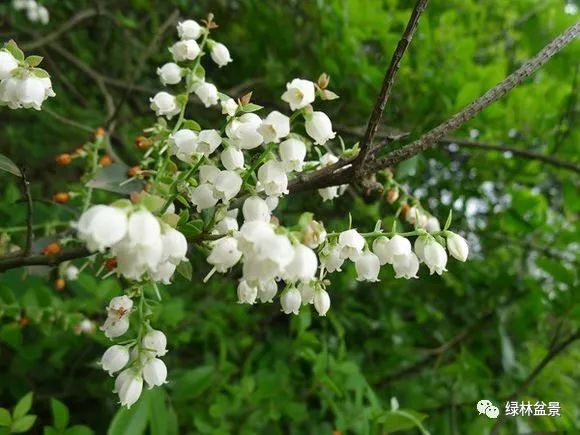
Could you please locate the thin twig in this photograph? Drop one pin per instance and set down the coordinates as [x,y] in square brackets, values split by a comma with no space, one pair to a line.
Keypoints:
[28,198]
[532,155]
[43,260]
[385,92]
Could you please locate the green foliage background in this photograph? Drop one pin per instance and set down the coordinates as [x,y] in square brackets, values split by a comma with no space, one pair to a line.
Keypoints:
[438,345]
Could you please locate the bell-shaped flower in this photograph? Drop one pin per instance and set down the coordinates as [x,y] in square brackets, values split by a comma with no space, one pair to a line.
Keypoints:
[224,254]
[299,93]
[247,293]
[189,29]
[207,93]
[292,152]
[208,174]
[432,225]
[321,302]
[416,216]
[169,74]
[229,107]
[406,266]
[457,246]
[129,386]
[397,245]
[10,92]
[155,343]
[226,225]
[329,193]
[351,243]
[331,258]
[267,290]
[144,229]
[208,141]
[243,131]
[155,372]
[319,127]
[164,104]
[115,326]
[251,233]
[102,226]
[303,266]
[8,63]
[435,257]
[367,267]
[32,92]
[291,300]
[220,54]
[115,358]
[183,144]
[163,272]
[203,197]
[232,158]
[256,209]
[274,127]
[227,185]
[174,246]
[314,234]
[381,249]
[273,178]
[184,50]
[306,290]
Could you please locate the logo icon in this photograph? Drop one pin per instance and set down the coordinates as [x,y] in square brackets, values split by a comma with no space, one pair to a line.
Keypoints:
[487,408]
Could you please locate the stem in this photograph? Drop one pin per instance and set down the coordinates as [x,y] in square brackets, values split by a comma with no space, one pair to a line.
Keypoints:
[173,187]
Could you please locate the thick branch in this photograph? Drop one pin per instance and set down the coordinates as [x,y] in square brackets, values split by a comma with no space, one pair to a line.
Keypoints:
[43,260]
[432,137]
[388,81]
[532,155]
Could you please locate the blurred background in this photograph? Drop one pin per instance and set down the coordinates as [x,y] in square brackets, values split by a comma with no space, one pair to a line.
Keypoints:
[496,327]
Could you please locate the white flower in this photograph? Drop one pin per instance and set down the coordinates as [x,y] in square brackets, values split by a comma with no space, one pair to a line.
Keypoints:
[303,266]
[207,93]
[72,273]
[274,127]
[208,141]
[273,178]
[155,372]
[267,290]
[432,224]
[457,246]
[203,197]
[267,256]
[351,243]
[435,257]
[319,127]
[115,326]
[416,216]
[226,225]
[101,226]
[184,50]
[115,358]
[314,234]
[183,144]
[129,385]
[174,246]
[321,302]
[292,152]
[227,185]
[367,267]
[329,193]
[32,91]
[299,93]
[120,305]
[38,13]
[247,293]
[419,247]
[155,343]
[406,266]
[9,92]
[163,272]
[381,249]
[229,107]
[252,232]
[256,209]
[144,229]
[189,29]
[398,245]
[272,202]
[224,254]
[291,301]
[243,131]
[220,54]
[208,174]
[306,292]
[135,259]
[327,160]
[8,63]
[232,158]
[169,74]
[164,104]
[331,258]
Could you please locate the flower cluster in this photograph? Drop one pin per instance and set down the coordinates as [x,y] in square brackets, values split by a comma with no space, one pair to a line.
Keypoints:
[140,358]
[34,12]
[142,244]
[22,84]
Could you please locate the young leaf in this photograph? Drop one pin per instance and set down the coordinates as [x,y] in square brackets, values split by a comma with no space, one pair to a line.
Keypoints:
[251,107]
[23,406]
[448,222]
[9,166]
[23,424]
[5,418]
[33,60]
[185,270]
[12,47]
[60,414]
[192,125]
[40,73]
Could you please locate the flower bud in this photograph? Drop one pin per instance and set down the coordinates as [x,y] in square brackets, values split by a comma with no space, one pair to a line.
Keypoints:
[60,284]
[321,302]
[381,249]
[72,272]
[247,293]
[229,107]
[220,54]
[392,195]
[100,132]
[61,197]
[105,160]
[435,256]
[169,74]
[232,158]
[184,50]
[155,342]
[367,267]
[267,290]
[319,127]
[291,301]
[457,246]
[189,29]
[115,358]
[63,159]
[314,234]
[207,93]
[155,372]
[52,249]
[256,209]
[129,385]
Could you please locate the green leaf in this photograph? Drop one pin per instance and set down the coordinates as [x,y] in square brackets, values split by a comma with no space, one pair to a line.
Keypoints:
[114,178]
[40,73]
[251,107]
[191,125]
[12,47]
[23,406]
[192,229]
[78,430]
[5,418]
[60,414]
[23,424]
[33,60]
[393,421]
[185,270]
[9,166]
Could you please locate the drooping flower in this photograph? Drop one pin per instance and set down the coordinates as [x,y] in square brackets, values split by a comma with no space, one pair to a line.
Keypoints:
[169,74]
[273,178]
[303,266]
[351,244]
[224,254]
[102,226]
[189,29]
[331,258]
[243,131]
[164,104]
[129,386]
[247,293]
[174,246]
[292,153]
[232,158]
[267,290]
[274,127]
[8,63]
[207,93]
[183,144]
[435,257]
[457,246]
[396,246]
[203,197]
[208,141]
[220,54]
[321,302]
[367,267]
[256,209]
[155,343]
[155,372]
[227,185]
[291,300]
[381,249]
[115,358]
[299,93]
[229,107]
[319,127]
[406,266]
[185,50]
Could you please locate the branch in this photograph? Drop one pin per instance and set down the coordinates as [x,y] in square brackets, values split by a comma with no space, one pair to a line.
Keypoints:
[532,155]
[432,137]
[28,198]
[388,81]
[43,260]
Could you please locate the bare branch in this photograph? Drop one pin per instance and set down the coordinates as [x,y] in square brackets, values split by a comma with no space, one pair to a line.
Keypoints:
[532,155]
[388,81]
[43,260]
[28,198]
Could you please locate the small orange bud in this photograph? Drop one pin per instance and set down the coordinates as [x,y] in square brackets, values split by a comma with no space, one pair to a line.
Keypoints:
[392,195]
[78,151]
[105,160]
[61,197]
[111,263]
[23,321]
[142,142]
[147,187]
[59,284]
[51,249]
[134,171]
[404,209]
[100,132]
[63,159]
